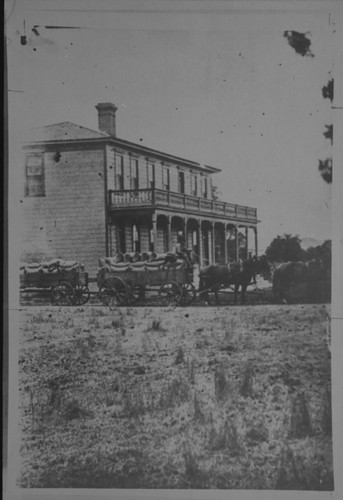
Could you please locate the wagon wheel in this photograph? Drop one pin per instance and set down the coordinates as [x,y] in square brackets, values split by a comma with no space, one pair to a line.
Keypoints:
[63,294]
[136,292]
[113,292]
[169,293]
[188,294]
[82,295]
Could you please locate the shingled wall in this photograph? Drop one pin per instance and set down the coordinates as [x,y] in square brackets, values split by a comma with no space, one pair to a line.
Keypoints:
[69,221]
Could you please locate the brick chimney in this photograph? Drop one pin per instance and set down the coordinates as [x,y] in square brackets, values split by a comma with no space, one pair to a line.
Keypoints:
[107,118]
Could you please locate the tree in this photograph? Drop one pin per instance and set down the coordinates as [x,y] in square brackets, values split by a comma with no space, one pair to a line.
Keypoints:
[285,248]
[216,193]
[321,253]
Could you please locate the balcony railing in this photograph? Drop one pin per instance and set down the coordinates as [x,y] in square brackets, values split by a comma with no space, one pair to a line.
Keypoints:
[159,198]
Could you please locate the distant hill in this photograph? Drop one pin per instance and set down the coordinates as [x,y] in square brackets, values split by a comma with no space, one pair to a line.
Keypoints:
[310,242]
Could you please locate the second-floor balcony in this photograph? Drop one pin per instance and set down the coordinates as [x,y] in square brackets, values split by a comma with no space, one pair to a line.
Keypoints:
[159,198]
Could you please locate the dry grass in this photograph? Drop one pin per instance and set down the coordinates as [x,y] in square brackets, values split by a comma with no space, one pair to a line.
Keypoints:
[221,384]
[231,399]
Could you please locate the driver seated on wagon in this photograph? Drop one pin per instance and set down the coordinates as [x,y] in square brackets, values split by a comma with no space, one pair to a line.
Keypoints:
[181,251]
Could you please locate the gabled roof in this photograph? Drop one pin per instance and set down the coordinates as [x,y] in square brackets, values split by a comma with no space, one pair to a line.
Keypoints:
[62,131]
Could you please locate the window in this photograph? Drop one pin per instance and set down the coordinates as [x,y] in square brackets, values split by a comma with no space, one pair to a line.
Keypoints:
[194,185]
[151,175]
[120,173]
[134,174]
[204,187]
[35,179]
[166,178]
[181,182]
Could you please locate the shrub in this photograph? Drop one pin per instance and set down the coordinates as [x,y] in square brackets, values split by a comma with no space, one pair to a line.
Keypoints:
[156,326]
[191,371]
[72,410]
[94,322]
[117,323]
[194,476]
[226,437]
[299,473]
[300,425]
[198,415]
[179,356]
[327,412]
[248,381]
[287,474]
[221,384]
[133,404]
[257,434]
[175,393]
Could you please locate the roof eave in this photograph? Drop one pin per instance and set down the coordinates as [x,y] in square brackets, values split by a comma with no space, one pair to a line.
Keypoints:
[115,141]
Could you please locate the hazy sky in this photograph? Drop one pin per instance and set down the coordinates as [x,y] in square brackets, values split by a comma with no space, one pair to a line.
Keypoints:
[221,87]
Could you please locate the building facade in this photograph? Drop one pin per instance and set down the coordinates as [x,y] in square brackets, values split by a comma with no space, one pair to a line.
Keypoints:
[89,194]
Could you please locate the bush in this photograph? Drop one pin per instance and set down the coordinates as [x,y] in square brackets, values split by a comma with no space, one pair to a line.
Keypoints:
[327,412]
[179,356]
[221,384]
[226,437]
[300,426]
[248,381]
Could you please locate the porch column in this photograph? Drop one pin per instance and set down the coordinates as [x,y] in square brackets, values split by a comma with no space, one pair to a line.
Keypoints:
[213,246]
[237,247]
[154,232]
[200,245]
[169,233]
[185,233]
[247,242]
[256,244]
[225,246]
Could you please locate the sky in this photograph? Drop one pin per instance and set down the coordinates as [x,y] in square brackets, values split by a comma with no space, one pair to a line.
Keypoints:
[212,82]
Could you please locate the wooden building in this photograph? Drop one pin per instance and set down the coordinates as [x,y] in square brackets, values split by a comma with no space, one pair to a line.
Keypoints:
[89,194]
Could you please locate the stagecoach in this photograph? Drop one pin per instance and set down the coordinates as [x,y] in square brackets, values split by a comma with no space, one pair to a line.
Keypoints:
[65,281]
[126,283]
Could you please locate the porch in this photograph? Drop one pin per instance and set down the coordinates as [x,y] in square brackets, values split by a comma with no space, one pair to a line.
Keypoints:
[211,240]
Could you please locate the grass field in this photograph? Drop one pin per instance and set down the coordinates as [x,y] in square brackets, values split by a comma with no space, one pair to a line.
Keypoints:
[218,397]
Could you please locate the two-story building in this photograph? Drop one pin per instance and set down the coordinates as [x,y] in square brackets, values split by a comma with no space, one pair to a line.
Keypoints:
[89,194]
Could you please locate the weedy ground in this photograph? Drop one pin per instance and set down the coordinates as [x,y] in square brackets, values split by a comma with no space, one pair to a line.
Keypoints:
[222,397]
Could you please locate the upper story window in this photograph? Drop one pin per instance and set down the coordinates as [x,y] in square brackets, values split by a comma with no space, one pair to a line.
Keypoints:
[134,174]
[194,185]
[119,178]
[205,187]
[166,178]
[35,178]
[181,182]
[151,175]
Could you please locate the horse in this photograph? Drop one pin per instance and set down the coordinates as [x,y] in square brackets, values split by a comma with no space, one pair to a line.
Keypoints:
[216,276]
